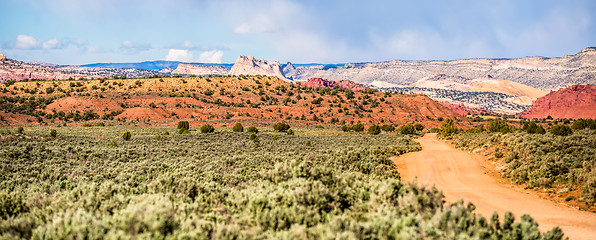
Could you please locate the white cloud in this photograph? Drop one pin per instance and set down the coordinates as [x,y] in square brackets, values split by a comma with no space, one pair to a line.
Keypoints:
[132,48]
[26,42]
[213,56]
[181,55]
[52,44]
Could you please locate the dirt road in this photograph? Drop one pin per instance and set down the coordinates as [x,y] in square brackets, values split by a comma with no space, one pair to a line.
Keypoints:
[460,175]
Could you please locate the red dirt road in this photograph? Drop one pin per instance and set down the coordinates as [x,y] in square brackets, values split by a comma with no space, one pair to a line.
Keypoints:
[460,175]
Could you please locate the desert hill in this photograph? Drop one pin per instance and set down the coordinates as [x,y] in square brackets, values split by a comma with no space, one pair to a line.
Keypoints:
[577,101]
[215,99]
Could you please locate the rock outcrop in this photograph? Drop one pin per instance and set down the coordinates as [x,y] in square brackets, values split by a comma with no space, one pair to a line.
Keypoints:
[2,57]
[200,70]
[577,101]
[248,65]
[537,72]
[319,82]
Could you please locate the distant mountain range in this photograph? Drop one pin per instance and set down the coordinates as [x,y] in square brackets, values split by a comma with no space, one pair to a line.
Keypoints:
[151,65]
[163,64]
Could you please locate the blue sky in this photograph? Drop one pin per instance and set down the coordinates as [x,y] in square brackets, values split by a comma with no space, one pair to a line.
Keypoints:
[332,31]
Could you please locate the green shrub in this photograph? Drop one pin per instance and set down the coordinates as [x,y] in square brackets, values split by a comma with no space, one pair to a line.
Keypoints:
[183,125]
[532,127]
[126,136]
[238,128]
[407,129]
[281,127]
[252,129]
[447,128]
[206,128]
[346,128]
[419,127]
[561,130]
[358,127]
[20,130]
[388,128]
[374,130]
[53,133]
[290,132]
[498,125]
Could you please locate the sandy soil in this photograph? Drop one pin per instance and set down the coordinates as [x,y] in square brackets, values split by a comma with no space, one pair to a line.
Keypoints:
[461,175]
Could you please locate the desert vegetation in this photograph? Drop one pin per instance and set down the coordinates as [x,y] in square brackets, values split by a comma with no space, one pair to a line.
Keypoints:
[226,100]
[88,182]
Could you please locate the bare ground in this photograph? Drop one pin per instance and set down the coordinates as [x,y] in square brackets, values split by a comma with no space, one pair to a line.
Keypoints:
[461,175]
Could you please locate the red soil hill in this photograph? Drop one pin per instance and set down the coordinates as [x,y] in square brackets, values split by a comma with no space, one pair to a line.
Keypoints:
[577,101]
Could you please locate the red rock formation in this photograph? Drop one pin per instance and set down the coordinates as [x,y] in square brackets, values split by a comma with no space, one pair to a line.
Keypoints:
[465,110]
[319,82]
[577,101]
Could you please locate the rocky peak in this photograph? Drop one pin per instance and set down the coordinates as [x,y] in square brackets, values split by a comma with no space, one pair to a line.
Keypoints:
[588,50]
[248,65]
[2,57]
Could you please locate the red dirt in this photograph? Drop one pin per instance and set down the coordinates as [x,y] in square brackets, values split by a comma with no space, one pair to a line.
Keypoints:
[461,175]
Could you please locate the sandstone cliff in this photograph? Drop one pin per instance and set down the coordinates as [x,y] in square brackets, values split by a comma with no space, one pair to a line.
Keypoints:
[199,70]
[577,101]
[248,65]
[538,72]
[2,57]
[319,82]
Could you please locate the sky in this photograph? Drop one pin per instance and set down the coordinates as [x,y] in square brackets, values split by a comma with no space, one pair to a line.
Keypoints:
[308,31]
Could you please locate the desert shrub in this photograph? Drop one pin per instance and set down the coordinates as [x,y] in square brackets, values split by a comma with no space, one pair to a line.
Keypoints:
[532,127]
[407,129]
[374,130]
[498,125]
[388,128]
[206,128]
[126,136]
[434,130]
[183,125]
[252,129]
[20,130]
[583,124]
[447,128]
[199,186]
[281,127]
[53,133]
[560,130]
[290,132]
[238,128]
[419,127]
[346,128]
[358,127]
